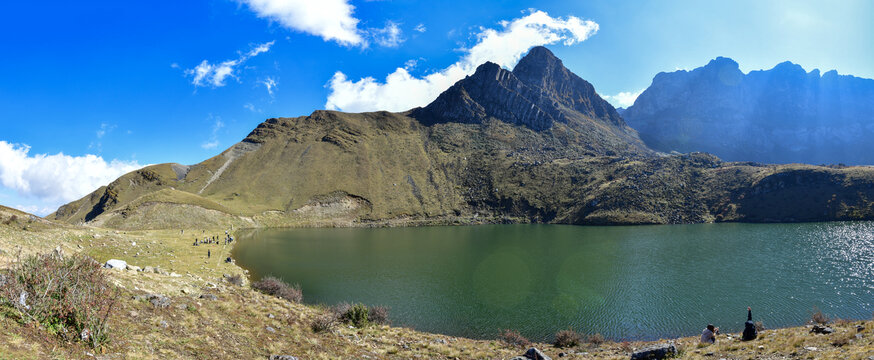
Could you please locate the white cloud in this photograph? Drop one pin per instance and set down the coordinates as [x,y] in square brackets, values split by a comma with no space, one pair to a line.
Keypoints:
[214,75]
[623,99]
[332,20]
[270,84]
[213,142]
[251,107]
[420,28]
[55,179]
[402,91]
[389,36]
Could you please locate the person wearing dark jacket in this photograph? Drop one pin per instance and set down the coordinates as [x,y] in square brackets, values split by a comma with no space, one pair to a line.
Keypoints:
[750,331]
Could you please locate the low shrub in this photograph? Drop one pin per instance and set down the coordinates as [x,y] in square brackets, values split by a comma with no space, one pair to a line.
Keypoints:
[596,339]
[323,323]
[818,317]
[10,220]
[356,314]
[69,296]
[567,338]
[276,287]
[513,338]
[378,315]
[360,315]
[235,279]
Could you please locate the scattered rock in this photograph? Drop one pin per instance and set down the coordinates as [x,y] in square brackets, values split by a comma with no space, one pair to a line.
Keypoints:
[2,280]
[562,354]
[116,264]
[270,329]
[159,301]
[533,354]
[271,316]
[816,329]
[860,328]
[811,348]
[133,314]
[209,297]
[658,351]
[164,324]
[282,357]
[134,268]
[181,306]
[149,269]
[173,274]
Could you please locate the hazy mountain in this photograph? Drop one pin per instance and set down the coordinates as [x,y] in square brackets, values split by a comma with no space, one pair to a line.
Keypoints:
[533,144]
[781,115]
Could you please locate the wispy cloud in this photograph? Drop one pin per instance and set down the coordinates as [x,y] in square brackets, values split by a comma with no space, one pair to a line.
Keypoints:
[504,46]
[251,107]
[389,36]
[55,179]
[213,142]
[269,83]
[420,28]
[214,75]
[332,20]
[623,99]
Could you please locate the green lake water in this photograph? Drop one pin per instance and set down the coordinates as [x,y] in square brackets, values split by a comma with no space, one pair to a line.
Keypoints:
[625,282]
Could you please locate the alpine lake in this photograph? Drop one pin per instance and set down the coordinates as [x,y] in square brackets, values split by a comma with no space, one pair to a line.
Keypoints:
[624,282]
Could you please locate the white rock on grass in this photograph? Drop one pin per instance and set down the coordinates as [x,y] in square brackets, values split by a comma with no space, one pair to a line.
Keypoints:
[116,264]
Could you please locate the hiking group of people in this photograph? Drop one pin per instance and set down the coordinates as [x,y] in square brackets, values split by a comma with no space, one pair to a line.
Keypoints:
[213,240]
[708,336]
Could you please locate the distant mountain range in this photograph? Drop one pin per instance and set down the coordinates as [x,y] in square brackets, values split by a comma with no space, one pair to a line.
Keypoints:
[535,144]
[781,115]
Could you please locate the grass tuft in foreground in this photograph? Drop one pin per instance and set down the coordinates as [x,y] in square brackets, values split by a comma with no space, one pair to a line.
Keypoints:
[67,295]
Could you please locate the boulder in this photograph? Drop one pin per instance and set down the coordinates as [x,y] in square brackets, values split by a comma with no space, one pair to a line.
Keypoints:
[116,264]
[159,301]
[282,357]
[532,354]
[658,351]
[817,329]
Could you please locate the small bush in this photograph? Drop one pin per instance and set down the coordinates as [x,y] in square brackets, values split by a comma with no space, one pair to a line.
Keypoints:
[759,326]
[235,279]
[818,317]
[378,315]
[513,338]
[276,287]
[567,338]
[11,219]
[357,315]
[323,323]
[596,339]
[69,296]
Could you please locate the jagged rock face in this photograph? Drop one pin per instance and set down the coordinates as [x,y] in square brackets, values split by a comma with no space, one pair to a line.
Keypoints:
[781,115]
[492,92]
[542,70]
[539,93]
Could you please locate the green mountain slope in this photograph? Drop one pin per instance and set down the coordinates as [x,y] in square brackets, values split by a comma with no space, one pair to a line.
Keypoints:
[535,144]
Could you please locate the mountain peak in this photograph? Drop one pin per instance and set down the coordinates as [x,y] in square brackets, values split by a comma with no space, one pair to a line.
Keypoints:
[723,62]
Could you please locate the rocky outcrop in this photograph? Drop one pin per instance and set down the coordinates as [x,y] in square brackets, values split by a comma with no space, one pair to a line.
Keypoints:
[781,115]
[655,352]
[539,93]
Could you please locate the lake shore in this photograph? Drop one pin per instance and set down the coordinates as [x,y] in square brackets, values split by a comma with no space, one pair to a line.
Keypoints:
[243,323]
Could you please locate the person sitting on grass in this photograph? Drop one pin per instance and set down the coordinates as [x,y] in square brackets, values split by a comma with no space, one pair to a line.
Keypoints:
[708,336]
[750,331]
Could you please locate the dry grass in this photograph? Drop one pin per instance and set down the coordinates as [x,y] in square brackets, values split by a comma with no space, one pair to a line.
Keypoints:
[236,325]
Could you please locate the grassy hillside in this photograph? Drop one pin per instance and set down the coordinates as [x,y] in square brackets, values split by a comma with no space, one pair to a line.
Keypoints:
[245,324]
[338,169]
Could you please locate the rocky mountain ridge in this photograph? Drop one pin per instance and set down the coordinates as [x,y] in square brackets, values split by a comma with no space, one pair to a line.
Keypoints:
[536,144]
[781,115]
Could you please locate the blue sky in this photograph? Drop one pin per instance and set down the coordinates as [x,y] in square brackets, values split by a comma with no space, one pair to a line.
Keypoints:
[91,90]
